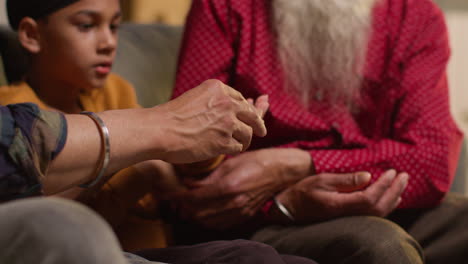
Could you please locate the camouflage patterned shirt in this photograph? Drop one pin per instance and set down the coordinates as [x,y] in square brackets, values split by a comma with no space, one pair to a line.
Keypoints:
[30,139]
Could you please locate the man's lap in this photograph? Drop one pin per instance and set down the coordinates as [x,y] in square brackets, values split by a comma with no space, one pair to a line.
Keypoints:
[439,231]
[357,239]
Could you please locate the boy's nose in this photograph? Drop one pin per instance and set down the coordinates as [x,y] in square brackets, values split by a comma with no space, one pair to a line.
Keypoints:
[107,42]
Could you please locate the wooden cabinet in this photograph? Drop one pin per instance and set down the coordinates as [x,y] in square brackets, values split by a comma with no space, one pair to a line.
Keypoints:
[148,11]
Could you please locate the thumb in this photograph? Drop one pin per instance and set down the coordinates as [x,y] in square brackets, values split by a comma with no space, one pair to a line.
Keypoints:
[347,182]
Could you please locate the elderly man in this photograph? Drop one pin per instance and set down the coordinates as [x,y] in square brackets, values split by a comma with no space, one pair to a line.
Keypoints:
[354,86]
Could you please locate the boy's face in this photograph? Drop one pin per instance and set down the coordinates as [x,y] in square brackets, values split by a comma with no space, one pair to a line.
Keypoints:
[78,42]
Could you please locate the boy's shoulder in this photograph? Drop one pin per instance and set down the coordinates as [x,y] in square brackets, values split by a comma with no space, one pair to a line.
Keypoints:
[116,84]
[19,93]
[116,80]
[117,93]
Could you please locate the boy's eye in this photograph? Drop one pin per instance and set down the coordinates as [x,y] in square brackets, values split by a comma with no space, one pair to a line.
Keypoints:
[115,26]
[85,26]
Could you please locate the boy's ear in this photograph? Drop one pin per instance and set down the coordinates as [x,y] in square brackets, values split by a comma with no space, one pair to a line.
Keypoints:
[28,35]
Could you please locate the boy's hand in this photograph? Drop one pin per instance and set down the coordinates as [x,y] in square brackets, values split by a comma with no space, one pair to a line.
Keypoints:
[210,120]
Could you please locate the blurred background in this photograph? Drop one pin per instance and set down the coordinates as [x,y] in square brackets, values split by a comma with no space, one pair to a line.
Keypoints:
[142,11]
[149,11]
[173,12]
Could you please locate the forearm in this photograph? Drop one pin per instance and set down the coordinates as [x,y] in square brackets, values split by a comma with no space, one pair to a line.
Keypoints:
[132,134]
[430,164]
[294,165]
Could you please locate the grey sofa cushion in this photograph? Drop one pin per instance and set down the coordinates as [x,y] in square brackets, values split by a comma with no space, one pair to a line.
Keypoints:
[146,57]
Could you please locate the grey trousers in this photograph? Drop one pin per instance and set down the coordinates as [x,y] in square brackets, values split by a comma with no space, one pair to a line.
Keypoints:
[358,239]
[56,231]
[434,236]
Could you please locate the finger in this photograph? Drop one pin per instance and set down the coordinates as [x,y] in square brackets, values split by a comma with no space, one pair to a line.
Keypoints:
[232,147]
[237,209]
[218,176]
[223,220]
[214,208]
[190,182]
[375,191]
[243,135]
[262,105]
[351,203]
[256,202]
[222,205]
[211,178]
[392,196]
[345,182]
[213,192]
[233,93]
[251,117]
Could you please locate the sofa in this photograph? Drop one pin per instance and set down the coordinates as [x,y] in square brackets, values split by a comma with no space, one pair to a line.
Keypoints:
[147,57]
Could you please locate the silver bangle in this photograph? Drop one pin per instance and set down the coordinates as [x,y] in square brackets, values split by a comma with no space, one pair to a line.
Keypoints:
[105,156]
[283,209]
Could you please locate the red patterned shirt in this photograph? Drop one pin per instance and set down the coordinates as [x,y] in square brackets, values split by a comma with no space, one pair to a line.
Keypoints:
[404,122]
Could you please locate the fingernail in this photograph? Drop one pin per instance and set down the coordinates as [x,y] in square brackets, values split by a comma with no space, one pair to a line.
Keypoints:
[404,178]
[398,201]
[364,176]
[390,175]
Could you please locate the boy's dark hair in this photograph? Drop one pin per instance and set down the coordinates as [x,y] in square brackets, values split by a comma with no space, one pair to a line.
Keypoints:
[36,9]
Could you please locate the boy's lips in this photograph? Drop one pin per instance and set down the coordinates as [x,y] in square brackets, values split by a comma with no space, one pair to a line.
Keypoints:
[103,68]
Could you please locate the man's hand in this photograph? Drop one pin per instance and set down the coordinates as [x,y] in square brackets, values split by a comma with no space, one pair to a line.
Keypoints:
[239,187]
[210,120]
[327,196]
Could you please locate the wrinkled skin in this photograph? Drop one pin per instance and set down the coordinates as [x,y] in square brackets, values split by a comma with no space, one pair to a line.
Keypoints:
[210,120]
[240,186]
[237,189]
[326,196]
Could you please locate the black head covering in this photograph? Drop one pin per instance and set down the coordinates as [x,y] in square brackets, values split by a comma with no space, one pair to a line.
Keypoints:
[18,9]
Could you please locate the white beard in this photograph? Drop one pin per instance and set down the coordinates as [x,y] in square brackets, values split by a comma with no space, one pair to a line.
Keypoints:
[322,46]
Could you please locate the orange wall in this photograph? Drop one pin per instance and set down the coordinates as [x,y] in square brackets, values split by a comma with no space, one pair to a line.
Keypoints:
[165,11]
[3,16]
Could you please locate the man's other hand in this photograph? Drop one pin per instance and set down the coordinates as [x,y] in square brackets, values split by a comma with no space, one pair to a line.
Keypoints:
[240,186]
[327,195]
